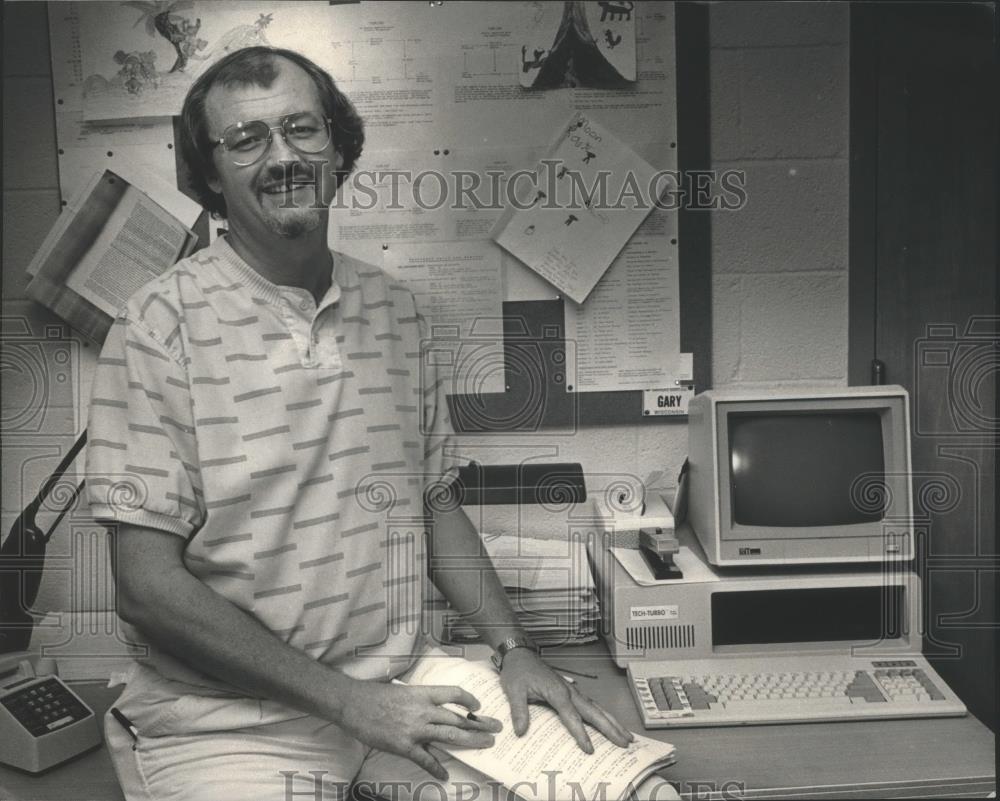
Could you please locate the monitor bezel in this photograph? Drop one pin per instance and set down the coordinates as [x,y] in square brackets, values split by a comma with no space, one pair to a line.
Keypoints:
[895,441]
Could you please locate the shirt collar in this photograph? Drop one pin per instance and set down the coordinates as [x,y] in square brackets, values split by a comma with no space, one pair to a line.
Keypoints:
[261,287]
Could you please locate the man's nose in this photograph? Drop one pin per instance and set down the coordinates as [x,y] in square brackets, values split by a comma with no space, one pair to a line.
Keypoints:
[280,151]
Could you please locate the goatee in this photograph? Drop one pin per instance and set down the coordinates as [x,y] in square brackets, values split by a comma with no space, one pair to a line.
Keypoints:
[294,226]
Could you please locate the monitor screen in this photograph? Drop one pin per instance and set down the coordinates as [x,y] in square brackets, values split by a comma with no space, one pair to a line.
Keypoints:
[797,468]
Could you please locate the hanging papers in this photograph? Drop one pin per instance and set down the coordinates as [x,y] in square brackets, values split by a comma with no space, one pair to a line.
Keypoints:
[570,218]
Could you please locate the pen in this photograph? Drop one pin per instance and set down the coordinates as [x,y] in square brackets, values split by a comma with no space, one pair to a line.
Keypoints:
[126,724]
[458,710]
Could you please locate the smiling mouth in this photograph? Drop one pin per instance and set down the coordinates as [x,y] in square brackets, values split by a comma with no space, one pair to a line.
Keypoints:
[285,186]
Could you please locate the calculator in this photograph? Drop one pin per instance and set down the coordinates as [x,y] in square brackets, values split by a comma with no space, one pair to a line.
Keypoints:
[42,721]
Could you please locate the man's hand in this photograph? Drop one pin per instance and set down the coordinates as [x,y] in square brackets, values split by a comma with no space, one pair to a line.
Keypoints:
[479,595]
[525,677]
[406,720]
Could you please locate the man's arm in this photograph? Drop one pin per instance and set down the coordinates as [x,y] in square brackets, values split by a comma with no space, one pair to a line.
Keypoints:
[174,609]
[474,589]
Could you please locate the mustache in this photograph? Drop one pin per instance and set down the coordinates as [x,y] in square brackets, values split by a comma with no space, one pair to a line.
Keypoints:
[284,174]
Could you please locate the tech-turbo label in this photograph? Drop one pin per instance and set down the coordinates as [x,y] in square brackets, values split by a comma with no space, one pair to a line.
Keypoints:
[663,612]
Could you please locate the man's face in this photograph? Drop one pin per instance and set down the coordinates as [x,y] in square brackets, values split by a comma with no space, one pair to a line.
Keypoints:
[285,192]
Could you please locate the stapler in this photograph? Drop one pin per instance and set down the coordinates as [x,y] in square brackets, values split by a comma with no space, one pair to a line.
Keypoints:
[658,544]
[659,547]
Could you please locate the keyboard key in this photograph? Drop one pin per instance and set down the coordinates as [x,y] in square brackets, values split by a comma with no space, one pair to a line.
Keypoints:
[659,697]
[786,706]
[863,686]
[928,685]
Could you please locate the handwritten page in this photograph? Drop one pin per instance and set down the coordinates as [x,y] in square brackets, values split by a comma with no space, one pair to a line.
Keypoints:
[588,197]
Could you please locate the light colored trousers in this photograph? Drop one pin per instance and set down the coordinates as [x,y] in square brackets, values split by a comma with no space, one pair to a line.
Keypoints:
[196,748]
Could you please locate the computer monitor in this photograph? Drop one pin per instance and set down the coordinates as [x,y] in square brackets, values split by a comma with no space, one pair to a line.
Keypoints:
[800,477]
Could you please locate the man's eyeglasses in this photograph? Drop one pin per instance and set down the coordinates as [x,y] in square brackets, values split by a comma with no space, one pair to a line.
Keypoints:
[247,142]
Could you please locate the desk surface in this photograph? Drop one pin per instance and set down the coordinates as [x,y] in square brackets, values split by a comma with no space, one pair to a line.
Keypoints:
[941,757]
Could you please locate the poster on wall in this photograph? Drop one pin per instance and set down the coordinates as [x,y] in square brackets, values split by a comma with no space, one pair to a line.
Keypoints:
[140,57]
[580,44]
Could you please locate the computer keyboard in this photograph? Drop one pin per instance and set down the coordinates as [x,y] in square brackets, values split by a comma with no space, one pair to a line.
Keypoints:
[784,690]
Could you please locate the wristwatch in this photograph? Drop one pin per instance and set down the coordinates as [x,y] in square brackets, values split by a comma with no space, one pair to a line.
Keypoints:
[507,646]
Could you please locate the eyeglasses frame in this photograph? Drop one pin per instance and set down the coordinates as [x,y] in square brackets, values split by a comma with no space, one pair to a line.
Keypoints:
[270,136]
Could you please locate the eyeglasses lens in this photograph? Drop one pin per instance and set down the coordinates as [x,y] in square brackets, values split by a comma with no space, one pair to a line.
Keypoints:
[305,133]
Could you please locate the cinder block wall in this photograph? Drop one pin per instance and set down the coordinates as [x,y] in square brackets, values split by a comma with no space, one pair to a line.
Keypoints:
[30,177]
[779,106]
[31,203]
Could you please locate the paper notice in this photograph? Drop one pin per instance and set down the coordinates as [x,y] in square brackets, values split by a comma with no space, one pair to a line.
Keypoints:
[459,289]
[627,335]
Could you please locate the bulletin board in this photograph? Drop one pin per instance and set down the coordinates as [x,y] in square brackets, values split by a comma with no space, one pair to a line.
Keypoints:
[441,89]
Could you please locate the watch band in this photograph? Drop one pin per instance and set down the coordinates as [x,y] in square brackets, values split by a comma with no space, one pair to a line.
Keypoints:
[507,646]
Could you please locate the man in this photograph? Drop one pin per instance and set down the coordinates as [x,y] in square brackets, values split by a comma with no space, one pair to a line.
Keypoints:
[247,405]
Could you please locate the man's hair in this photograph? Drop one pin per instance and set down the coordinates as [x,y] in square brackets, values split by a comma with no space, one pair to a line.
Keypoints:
[259,66]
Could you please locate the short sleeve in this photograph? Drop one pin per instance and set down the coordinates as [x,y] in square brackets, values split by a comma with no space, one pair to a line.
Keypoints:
[142,458]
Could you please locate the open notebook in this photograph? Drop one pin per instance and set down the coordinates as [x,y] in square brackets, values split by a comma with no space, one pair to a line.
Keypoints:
[546,763]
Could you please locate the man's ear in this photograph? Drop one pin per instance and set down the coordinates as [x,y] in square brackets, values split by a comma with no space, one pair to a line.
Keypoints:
[338,161]
[214,183]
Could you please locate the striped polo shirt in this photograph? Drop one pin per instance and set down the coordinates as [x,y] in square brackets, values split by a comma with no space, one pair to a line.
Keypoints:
[289,444]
